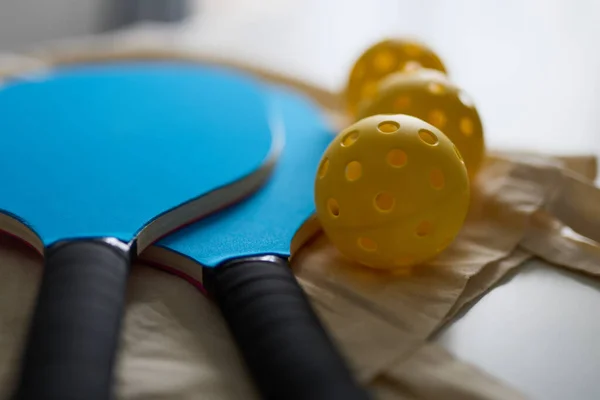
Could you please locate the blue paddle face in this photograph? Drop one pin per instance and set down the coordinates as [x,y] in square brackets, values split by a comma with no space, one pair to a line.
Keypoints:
[101,150]
[266,222]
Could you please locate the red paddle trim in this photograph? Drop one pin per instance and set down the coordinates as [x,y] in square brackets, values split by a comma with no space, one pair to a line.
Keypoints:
[196,283]
[25,242]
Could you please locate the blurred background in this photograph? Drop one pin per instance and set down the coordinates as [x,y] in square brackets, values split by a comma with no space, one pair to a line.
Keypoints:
[531,66]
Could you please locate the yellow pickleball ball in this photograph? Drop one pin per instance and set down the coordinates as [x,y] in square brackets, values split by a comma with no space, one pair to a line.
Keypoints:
[382,59]
[391,191]
[430,96]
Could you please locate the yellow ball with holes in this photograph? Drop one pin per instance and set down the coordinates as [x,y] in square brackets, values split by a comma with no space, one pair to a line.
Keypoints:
[391,191]
[430,96]
[382,59]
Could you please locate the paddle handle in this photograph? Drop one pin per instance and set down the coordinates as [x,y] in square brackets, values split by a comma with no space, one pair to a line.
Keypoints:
[72,341]
[286,349]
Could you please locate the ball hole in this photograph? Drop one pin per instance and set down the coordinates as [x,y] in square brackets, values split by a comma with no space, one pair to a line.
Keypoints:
[466,126]
[428,137]
[437,118]
[436,179]
[401,103]
[333,207]
[384,202]
[369,90]
[397,158]
[353,171]
[384,61]
[424,228]
[435,88]
[349,138]
[367,244]
[323,168]
[388,126]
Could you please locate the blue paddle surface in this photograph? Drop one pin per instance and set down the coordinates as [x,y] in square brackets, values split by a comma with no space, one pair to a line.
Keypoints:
[266,222]
[101,150]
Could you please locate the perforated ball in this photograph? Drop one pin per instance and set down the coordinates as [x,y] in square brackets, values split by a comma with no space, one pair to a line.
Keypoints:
[430,96]
[391,191]
[382,59]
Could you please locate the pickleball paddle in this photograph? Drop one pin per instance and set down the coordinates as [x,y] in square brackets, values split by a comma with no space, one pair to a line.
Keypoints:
[240,256]
[96,163]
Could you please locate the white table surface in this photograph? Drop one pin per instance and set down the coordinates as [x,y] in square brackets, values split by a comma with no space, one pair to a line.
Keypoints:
[533,69]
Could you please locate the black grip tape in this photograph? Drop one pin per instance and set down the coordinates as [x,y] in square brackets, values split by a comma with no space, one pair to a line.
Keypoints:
[74,332]
[286,349]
